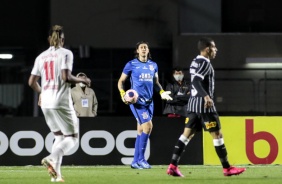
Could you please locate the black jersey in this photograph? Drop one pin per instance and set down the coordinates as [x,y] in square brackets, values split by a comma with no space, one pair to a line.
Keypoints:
[202,84]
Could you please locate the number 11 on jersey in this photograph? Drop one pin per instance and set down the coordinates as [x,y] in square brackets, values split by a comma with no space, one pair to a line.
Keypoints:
[49,70]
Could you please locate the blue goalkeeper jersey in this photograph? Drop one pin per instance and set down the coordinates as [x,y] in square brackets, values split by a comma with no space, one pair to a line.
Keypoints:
[142,78]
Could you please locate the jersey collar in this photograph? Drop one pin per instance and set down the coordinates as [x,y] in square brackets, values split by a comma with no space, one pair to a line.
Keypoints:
[141,61]
[202,57]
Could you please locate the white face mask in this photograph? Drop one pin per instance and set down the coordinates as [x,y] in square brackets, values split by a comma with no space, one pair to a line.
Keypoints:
[178,77]
[82,85]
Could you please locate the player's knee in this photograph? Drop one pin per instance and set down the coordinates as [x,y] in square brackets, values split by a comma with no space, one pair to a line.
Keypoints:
[147,127]
[58,133]
[147,130]
[216,135]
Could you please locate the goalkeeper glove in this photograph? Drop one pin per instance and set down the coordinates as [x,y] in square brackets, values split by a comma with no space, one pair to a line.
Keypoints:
[165,95]
[122,93]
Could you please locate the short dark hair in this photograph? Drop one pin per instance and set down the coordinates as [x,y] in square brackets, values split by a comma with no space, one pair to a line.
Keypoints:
[204,43]
[177,68]
[137,46]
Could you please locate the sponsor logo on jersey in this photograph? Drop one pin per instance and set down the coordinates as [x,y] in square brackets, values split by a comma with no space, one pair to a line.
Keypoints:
[145,77]
[194,64]
[194,92]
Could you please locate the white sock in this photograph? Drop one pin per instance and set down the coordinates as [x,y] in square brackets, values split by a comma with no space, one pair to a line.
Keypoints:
[218,142]
[56,156]
[59,150]
[58,139]
[67,144]
[184,139]
[57,166]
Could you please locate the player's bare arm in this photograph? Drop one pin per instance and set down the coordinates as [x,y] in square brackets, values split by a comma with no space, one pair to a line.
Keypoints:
[121,81]
[157,82]
[68,77]
[32,82]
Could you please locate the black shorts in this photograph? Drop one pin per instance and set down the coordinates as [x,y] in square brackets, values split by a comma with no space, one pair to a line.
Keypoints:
[208,121]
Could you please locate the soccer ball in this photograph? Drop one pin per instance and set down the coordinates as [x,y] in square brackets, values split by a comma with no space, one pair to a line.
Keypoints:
[131,96]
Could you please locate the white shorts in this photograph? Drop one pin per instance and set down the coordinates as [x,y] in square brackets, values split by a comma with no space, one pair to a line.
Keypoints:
[62,120]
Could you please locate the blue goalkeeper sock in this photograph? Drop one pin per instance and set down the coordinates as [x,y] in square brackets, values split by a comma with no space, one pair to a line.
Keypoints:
[136,151]
[142,145]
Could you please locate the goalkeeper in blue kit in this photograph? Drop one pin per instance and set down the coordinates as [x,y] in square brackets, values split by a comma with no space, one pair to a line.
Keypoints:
[143,73]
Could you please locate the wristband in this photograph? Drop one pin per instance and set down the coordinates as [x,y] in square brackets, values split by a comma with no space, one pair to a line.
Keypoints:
[161,91]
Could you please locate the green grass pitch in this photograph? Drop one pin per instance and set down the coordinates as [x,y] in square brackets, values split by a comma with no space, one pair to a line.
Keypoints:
[264,174]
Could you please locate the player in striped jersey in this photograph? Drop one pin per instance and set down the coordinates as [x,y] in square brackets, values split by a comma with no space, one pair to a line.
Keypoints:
[54,67]
[201,110]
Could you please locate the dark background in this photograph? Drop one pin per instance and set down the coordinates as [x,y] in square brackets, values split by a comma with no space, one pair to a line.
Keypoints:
[109,30]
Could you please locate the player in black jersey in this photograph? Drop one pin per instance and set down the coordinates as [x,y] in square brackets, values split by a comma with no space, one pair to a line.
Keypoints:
[201,110]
